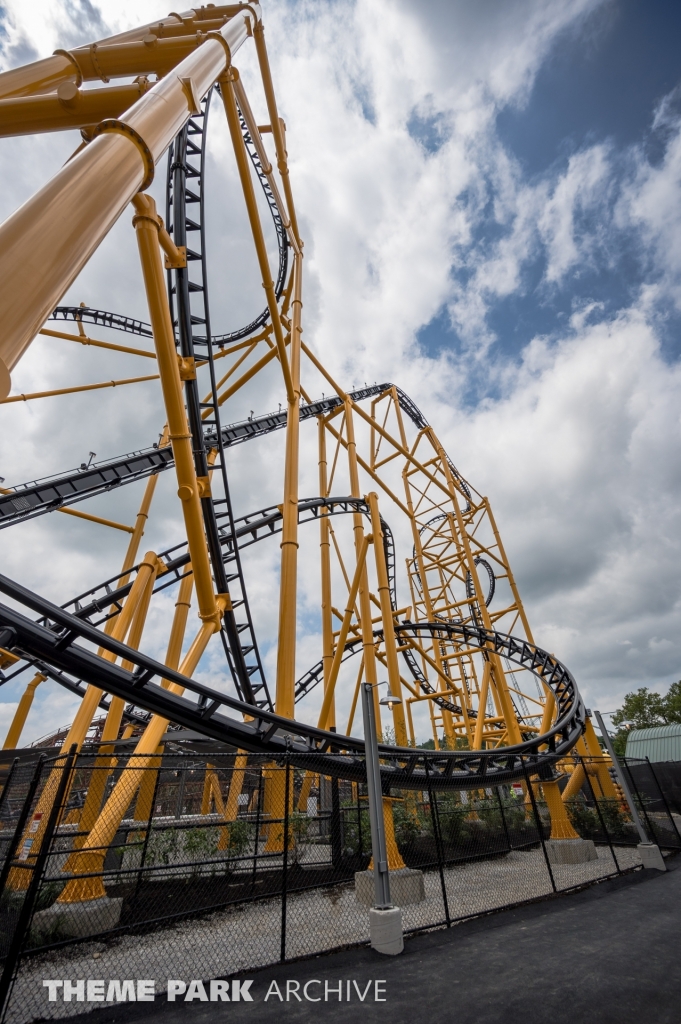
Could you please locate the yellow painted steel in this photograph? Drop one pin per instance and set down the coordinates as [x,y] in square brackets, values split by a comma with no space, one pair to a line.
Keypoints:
[21,713]
[46,243]
[82,339]
[286,649]
[147,229]
[75,390]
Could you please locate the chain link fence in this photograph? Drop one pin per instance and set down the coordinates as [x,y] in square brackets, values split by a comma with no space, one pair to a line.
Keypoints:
[192,866]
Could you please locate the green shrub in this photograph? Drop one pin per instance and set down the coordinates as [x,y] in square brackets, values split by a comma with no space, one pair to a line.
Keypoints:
[615,820]
[408,825]
[582,818]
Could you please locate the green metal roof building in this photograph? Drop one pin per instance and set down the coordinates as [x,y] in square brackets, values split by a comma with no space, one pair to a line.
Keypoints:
[663,743]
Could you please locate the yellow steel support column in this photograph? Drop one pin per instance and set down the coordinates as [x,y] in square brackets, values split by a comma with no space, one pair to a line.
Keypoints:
[395,861]
[21,713]
[325,558]
[594,749]
[177,631]
[243,165]
[360,571]
[114,717]
[18,878]
[147,227]
[90,859]
[286,650]
[275,123]
[401,738]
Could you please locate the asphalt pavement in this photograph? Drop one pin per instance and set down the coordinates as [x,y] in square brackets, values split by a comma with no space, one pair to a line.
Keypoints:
[606,955]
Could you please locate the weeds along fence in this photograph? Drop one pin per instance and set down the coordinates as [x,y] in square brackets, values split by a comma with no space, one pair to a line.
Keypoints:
[223,863]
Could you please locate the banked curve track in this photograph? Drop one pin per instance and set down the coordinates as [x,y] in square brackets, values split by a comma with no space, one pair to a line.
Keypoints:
[64,642]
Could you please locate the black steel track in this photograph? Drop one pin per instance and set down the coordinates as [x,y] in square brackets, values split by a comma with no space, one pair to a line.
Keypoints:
[60,644]
[190,308]
[37,497]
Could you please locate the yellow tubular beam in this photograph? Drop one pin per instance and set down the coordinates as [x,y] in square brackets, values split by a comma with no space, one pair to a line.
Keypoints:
[237,363]
[275,123]
[141,519]
[243,165]
[114,717]
[146,225]
[353,708]
[343,635]
[235,786]
[174,650]
[91,857]
[82,339]
[389,643]
[45,75]
[254,132]
[21,713]
[482,708]
[286,649]
[72,391]
[325,559]
[594,749]
[67,108]
[245,377]
[97,519]
[18,878]
[47,241]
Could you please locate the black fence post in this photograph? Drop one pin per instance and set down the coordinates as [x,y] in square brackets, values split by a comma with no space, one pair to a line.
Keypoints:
[503,817]
[8,780]
[540,827]
[257,829]
[26,913]
[438,844]
[21,823]
[336,834]
[664,798]
[145,844]
[284,873]
[600,814]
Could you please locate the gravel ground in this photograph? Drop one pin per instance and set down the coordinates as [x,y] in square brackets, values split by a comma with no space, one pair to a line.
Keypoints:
[249,936]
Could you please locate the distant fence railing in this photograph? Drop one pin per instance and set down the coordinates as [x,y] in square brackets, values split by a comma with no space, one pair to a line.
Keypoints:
[234,862]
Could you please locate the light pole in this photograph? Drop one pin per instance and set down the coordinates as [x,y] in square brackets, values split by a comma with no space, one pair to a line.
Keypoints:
[651,857]
[385,920]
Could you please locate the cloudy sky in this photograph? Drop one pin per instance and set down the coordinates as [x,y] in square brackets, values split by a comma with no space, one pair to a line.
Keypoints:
[490,199]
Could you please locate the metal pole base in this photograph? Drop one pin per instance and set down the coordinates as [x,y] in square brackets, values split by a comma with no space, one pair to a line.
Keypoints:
[651,856]
[385,929]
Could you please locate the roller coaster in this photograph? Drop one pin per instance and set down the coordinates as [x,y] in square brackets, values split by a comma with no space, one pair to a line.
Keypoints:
[444,621]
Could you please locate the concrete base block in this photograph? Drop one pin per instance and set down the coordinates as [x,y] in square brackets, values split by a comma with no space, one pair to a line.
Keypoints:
[385,929]
[651,856]
[406,886]
[571,851]
[77,920]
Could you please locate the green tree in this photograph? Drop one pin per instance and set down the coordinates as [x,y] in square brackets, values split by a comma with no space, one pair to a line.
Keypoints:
[672,703]
[642,710]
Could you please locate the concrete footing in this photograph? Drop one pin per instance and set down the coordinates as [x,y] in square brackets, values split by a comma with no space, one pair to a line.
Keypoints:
[651,856]
[77,920]
[406,886]
[385,930]
[570,851]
